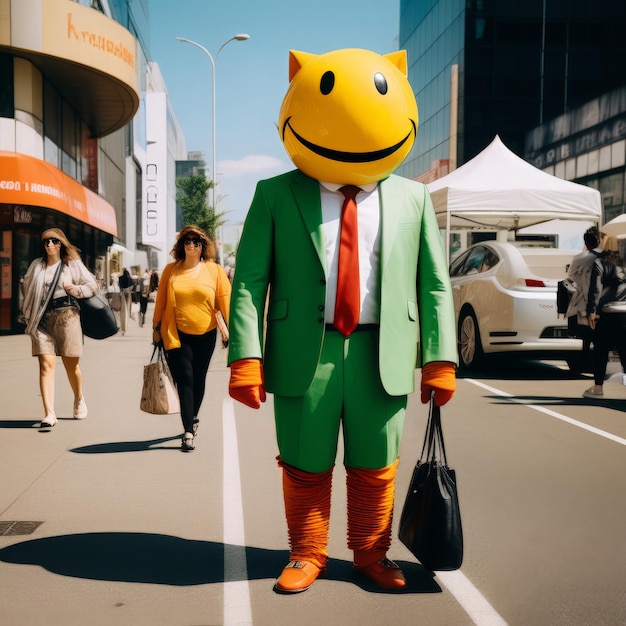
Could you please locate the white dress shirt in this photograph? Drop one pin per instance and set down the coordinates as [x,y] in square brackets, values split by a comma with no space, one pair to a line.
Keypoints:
[368,221]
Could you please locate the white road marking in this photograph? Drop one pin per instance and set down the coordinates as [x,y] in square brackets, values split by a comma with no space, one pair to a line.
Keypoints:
[237,609]
[472,601]
[559,416]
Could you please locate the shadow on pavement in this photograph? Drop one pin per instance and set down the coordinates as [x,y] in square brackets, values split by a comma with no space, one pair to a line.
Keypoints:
[167,560]
[560,401]
[19,423]
[515,367]
[127,446]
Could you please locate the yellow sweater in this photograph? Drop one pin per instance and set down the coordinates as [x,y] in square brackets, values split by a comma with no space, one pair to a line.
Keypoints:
[187,300]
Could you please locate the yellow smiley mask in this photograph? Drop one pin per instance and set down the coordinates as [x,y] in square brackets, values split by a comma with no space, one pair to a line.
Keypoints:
[349,116]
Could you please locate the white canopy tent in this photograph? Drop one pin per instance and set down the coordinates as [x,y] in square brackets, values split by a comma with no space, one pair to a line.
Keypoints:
[616,227]
[497,190]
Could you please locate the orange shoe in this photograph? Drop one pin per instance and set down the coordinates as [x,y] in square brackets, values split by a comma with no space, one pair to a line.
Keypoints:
[298,576]
[385,573]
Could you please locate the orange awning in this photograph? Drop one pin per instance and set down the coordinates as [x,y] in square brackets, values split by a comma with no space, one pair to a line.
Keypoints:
[33,182]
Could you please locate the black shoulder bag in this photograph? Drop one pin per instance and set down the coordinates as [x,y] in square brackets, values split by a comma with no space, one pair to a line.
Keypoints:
[430,524]
[96,317]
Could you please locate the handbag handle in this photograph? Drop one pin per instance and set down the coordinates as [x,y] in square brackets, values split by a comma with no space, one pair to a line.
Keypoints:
[434,445]
[159,350]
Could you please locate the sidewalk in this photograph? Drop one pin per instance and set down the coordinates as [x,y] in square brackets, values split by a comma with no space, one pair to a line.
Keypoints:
[110,498]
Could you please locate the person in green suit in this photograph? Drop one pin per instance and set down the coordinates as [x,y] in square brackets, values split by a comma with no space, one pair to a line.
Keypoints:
[288,330]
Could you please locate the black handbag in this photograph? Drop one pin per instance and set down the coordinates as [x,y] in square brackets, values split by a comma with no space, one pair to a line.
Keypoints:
[430,524]
[565,289]
[96,317]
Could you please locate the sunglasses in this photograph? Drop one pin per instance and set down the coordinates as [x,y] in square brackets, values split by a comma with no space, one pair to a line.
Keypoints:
[52,240]
[192,242]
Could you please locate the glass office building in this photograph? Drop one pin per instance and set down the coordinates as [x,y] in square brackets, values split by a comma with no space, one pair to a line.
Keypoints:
[587,145]
[518,65]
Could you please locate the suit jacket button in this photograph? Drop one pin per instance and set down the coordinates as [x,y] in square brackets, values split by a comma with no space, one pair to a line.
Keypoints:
[323,282]
[320,320]
[320,307]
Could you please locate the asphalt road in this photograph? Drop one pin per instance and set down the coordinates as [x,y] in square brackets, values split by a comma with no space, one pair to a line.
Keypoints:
[135,532]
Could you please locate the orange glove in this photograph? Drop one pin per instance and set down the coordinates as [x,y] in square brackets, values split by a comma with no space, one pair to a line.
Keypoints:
[246,382]
[440,377]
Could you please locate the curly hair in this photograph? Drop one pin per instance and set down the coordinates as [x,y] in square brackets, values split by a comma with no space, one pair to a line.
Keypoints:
[208,247]
[592,238]
[68,250]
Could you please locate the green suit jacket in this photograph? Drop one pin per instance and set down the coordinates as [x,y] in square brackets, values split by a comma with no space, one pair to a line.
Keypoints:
[282,254]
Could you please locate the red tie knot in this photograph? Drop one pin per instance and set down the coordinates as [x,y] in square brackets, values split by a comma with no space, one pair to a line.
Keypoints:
[350,191]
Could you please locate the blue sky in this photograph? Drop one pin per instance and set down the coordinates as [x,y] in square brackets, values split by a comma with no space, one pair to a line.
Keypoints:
[252,76]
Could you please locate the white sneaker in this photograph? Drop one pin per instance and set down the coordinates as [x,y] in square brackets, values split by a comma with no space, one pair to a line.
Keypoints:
[592,393]
[623,379]
[48,422]
[80,410]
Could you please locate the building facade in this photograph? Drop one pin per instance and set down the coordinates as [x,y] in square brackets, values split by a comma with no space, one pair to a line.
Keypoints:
[69,86]
[587,145]
[165,146]
[486,67]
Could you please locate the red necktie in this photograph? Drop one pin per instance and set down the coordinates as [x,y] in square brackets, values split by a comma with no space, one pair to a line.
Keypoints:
[348,302]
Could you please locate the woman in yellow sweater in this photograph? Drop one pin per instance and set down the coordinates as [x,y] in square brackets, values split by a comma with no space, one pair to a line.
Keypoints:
[192,290]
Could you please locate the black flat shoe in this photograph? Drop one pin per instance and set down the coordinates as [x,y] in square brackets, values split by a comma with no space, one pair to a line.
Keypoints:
[194,426]
[187,444]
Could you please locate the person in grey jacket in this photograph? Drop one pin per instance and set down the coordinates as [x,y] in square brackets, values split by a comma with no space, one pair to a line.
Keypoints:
[52,285]
[579,272]
[579,275]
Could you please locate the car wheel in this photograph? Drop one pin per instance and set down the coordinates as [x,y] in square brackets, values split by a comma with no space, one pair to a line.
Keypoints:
[470,348]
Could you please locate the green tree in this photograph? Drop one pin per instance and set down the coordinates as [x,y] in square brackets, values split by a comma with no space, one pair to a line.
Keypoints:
[191,196]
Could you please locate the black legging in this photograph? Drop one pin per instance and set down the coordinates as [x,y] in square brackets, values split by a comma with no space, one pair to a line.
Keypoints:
[189,365]
[610,332]
[143,307]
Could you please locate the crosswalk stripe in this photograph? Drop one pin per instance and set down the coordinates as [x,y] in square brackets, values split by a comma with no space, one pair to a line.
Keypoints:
[559,416]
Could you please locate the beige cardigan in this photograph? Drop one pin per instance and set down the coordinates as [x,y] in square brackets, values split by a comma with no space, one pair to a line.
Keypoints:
[74,271]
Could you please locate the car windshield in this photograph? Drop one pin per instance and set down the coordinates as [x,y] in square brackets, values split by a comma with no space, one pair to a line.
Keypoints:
[474,261]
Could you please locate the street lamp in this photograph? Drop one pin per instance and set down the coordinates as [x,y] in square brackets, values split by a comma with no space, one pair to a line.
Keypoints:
[238,37]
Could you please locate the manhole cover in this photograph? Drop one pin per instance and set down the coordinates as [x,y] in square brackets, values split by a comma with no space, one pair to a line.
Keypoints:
[18,528]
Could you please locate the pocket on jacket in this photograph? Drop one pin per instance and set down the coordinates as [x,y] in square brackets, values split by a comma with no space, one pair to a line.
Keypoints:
[278,310]
[412,310]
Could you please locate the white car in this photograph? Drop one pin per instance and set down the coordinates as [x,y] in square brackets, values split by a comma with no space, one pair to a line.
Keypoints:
[505,301]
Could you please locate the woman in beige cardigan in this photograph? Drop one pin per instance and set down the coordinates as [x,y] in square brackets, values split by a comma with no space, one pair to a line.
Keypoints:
[52,284]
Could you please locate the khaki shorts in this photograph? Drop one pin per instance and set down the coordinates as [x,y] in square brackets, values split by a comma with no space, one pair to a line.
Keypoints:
[60,333]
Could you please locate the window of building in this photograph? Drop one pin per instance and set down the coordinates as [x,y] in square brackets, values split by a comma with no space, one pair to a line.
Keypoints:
[51,124]
[7,107]
[618,153]
[612,190]
[63,133]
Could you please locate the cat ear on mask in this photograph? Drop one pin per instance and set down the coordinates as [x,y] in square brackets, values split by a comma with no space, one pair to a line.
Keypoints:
[399,60]
[296,60]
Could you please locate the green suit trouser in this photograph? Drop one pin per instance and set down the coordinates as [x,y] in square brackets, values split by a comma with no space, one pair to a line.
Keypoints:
[346,392]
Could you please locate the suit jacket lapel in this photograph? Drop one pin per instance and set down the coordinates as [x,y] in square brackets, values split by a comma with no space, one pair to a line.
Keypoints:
[306,192]
[391,202]
[307,198]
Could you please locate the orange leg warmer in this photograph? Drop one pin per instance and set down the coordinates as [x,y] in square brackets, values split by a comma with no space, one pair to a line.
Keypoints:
[370,511]
[307,508]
